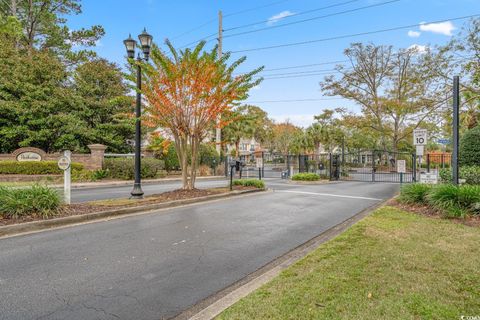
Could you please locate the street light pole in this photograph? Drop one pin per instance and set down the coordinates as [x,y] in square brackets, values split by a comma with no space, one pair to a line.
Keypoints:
[130,44]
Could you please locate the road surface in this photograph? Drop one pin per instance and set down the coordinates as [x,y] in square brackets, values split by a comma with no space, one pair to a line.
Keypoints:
[155,265]
[111,192]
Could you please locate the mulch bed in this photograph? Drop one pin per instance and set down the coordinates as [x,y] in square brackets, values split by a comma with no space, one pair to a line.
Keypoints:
[424,210]
[99,206]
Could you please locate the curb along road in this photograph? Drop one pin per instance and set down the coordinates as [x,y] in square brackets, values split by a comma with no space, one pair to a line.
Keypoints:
[36,226]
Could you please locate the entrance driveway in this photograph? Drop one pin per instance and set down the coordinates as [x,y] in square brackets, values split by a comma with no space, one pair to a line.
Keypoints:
[155,265]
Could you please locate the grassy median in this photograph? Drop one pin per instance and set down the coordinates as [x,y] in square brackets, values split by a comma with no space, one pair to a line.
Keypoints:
[391,265]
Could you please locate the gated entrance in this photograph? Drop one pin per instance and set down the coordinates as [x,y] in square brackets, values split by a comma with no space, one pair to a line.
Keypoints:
[373,166]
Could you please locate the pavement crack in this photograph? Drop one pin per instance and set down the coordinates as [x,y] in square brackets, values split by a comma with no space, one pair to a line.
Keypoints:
[100,310]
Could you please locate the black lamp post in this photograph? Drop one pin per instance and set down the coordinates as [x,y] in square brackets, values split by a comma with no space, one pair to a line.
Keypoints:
[130,44]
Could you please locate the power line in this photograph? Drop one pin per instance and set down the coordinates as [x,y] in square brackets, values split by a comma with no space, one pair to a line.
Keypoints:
[307,65]
[256,8]
[295,100]
[214,19]
[305,72]
[351,35]
[291,16]
[194,29]
[311,19]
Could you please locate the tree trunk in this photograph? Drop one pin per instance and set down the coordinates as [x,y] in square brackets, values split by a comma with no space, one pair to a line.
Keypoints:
[193,164]
[181,147]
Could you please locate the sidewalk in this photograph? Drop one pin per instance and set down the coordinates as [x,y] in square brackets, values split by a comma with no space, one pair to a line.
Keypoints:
[80,185]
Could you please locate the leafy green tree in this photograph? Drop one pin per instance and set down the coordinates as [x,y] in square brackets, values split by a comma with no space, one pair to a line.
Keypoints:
[397,91]
[104,105]
[44,27]
[46,103]
[242,124]
[469,153]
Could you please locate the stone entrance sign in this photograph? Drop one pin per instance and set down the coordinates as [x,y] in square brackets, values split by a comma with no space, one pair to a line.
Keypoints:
[91,161]
[29,154]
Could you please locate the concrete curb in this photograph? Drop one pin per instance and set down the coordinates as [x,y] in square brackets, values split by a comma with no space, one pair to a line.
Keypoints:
[33,226]
[217,303]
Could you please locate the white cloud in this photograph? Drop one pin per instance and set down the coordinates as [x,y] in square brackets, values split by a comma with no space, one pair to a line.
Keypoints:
[274,19]
[301,120]
[414,34]
[444,28]
[420,49]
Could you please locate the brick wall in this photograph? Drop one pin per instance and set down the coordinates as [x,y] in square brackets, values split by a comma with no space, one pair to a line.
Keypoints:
[91,161]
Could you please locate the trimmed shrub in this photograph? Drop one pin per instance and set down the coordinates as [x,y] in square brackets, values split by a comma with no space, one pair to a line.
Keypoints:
[34,167]
[455,201]
[124,168]
[89,175]
[208,155]
[250,183]
[469,152]
[471,174]
[37,200]
[306,177]
[414,193]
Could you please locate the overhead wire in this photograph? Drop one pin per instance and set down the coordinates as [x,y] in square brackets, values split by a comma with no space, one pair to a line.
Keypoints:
[311,19]
[351,35]
[291,15]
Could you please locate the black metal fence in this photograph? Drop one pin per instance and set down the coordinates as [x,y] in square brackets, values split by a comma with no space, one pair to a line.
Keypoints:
[368,166]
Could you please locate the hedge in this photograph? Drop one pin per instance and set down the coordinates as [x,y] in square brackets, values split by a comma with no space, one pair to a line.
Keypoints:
[471,174]
[124,168]
[469,151]
[34,167]
[306,177]
[250,183]
[37,200]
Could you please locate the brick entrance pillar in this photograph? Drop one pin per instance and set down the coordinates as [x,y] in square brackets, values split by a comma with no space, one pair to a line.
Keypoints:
[97,152]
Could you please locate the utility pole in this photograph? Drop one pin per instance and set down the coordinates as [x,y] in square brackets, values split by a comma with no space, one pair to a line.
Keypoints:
[218,133]
[456,107]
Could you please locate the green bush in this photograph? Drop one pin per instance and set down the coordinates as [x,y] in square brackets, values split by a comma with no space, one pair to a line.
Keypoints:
[89,175]
[37,200]
[123,168]
[306,177]
[455,201]
[414,193]
[469,152]
[208,155]
[250,183]
[33,167]
[471,174]
[171,159]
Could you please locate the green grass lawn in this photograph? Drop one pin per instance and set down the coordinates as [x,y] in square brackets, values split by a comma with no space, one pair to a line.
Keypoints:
[391,265]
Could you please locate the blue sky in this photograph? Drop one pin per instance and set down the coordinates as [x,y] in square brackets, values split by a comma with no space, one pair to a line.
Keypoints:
[175,19]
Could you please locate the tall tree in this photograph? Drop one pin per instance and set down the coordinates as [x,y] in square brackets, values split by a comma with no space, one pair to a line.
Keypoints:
[284,137]
[397,91]
[186,91]
[247,122]
[104,105]
[44,26]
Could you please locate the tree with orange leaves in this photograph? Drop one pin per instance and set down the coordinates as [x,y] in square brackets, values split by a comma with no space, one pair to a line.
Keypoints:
[185,95]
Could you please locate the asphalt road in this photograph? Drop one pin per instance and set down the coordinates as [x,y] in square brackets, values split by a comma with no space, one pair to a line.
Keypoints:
[112,192]
[155,265]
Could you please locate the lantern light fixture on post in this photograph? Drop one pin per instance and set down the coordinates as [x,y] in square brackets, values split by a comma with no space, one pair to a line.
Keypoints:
[130,45]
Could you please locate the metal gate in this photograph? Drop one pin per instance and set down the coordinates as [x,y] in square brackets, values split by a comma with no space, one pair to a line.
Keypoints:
[373,166]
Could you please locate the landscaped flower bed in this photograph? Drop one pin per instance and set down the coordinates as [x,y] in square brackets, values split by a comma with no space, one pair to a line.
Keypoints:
[19,205]
[448,200]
